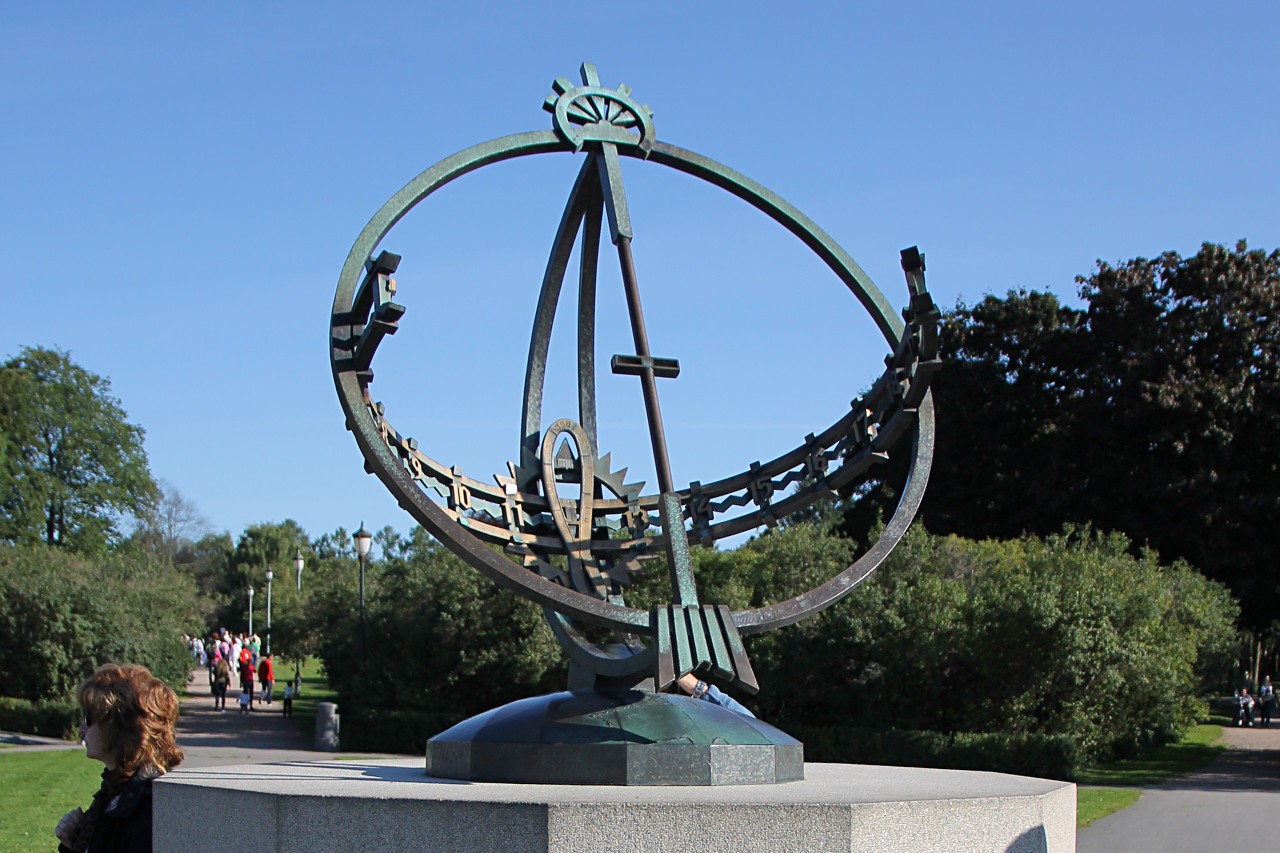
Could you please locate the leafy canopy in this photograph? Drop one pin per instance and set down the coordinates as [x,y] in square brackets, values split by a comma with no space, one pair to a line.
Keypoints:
[73,465]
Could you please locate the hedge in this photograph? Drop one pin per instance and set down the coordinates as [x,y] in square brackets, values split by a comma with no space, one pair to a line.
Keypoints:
[1044,756]
[48,718]
[382,730]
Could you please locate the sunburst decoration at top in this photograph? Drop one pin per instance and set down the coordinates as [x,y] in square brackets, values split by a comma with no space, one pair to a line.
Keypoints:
[592,113]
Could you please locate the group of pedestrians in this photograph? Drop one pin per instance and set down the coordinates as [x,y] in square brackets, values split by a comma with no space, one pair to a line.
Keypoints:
[1247,703]
[230,656]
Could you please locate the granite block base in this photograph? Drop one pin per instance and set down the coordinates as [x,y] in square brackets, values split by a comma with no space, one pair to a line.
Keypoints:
[394,805]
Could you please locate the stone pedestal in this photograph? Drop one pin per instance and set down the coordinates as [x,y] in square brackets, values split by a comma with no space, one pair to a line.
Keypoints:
[394,805]
[615,737]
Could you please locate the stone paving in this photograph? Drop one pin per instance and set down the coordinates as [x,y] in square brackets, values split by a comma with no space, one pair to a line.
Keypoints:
[211,737]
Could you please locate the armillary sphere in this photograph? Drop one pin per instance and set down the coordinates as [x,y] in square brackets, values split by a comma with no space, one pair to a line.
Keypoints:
[575,555]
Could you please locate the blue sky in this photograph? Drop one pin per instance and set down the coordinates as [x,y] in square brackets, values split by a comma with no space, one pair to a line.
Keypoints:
[181,184]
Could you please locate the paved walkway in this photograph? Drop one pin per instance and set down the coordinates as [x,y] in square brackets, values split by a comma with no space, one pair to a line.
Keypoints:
[1230,805]
[211,737]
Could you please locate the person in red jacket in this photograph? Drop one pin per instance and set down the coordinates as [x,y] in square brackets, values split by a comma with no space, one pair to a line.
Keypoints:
[266,677]
[246,679]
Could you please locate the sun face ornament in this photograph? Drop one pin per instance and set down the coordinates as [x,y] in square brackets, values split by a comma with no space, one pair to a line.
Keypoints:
[563,527]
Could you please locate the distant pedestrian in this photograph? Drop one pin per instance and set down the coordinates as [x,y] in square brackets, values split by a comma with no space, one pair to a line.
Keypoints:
[288,699]
[246,679]
[1244,716]
[221,678]
[244,702]
[266,677]
[1266,701]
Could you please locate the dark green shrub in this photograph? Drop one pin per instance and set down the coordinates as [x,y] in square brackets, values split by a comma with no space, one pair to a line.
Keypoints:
[381,730]
[62,615]
[1043,756]
[57,718]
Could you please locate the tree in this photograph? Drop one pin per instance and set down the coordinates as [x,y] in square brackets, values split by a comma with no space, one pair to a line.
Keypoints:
[74,465]
[1151,412]
[442,637]
[1188,356]
[170,526]
[260,547]
[63,614]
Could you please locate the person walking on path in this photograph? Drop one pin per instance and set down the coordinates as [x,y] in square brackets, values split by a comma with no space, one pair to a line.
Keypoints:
[266,677]
[221,678]
[246,680]
[1244,717]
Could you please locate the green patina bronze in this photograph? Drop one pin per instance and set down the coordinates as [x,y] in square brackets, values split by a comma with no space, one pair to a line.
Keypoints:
[575,557]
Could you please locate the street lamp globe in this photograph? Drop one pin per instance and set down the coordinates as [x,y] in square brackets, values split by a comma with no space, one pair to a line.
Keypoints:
[297,565]
[364,539]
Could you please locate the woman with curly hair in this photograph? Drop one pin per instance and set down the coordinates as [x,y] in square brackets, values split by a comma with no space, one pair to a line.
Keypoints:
[129,717]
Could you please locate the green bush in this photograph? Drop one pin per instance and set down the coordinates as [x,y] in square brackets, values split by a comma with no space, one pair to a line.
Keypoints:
[1044,756]
[1073,643]
[442,638]
[1072,635]
[58,718]
[62,615]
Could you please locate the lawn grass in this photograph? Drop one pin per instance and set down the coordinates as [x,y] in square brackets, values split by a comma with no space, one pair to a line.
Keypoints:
[315,689]
[39,788]
[1093,803]
[1158,764]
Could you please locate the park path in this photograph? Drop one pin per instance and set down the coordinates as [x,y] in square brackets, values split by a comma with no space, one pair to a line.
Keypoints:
[1229,805]
[211,737]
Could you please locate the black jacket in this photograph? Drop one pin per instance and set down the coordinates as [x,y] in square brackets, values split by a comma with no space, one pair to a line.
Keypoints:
[125,824]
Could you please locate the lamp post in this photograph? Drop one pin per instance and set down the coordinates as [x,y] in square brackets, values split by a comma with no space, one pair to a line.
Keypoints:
[297,663]
[251,610]
[268,610]
[363,541]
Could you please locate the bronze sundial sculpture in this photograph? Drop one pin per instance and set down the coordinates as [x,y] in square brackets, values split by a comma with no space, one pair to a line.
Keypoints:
[575,556]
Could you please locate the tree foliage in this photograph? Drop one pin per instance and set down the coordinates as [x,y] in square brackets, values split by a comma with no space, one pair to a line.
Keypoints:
[73,464]
[1071,635]
[62,615]
[1149,411]
[441,636]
